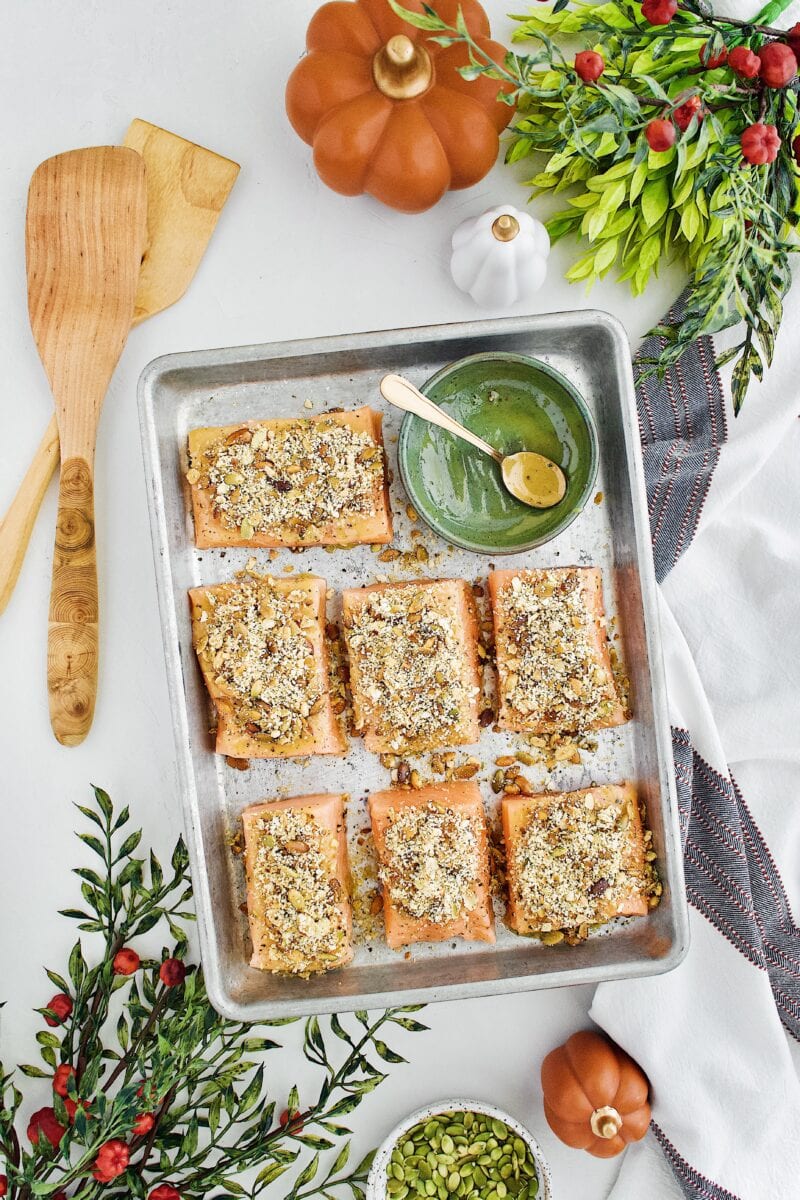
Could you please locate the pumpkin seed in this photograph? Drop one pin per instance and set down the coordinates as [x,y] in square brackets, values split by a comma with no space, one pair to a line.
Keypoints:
[461,1155]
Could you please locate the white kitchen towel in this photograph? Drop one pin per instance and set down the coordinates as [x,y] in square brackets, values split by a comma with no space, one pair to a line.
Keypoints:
[718,1036]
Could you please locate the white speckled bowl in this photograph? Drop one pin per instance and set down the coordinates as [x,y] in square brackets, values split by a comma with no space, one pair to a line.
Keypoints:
[376,1184]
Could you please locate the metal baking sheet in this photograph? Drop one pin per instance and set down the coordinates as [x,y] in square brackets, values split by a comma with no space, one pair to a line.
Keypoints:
[218,387]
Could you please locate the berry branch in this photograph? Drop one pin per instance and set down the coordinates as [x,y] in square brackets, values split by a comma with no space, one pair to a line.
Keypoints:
[153,1094]
[673,135]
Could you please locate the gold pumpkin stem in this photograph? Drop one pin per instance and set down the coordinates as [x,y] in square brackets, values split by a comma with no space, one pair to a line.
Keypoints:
[505,227]
[605,1122]
[401,69]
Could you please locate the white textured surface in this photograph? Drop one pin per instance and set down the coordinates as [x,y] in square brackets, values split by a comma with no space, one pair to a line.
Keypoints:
[289,259]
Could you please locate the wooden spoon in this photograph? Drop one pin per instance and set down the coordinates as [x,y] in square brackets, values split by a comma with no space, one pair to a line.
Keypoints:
[85,235]
[532,478]
[187,186]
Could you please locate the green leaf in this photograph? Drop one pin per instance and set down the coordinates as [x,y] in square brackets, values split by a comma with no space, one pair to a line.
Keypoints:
[418,20]
[307,1174]
[690,222]
[593,223]
[93,843]
[343,1106]
[270,1173]
[250,1045]
[386,1053]
[58,980]
[655,201]
[129,845]
[33,1072]
[77,965]
[638,180]
[90,815]
[612,198]
[650,251]
[606,254]
[104,803]
[340,1160]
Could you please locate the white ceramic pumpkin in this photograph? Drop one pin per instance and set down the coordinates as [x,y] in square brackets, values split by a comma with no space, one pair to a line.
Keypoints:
[500,257]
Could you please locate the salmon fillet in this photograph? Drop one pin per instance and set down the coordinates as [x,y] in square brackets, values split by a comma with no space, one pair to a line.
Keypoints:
[334,491]
[414,675]
[574,858]
[291,713]
[298,884]
[433,848]
[553,662]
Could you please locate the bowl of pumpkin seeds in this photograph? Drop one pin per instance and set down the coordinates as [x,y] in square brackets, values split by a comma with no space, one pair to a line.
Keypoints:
[459,1150]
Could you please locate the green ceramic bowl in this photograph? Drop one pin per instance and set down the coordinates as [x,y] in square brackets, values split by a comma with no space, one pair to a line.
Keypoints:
[514,403]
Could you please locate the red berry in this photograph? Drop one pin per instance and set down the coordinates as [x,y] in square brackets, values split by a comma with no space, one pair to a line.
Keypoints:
[793,38]
[143,1124]
[716,60]
[778,64]
[684,113]
[61,1078]
[743,62]
[760,143]
[3,1185]
[589,65]
[61,1005]
[172,972]
[126,961]
[660,134]
[45,1123]
[164,1191]
[293,1119]
[659,12]
[112,1161]
[148,1092]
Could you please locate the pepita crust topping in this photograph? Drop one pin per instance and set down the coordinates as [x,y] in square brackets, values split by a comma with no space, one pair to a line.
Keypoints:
[407,655]
[257,645]
[553,676]
[577,860]
[294,881]
[292,481]
[430,862]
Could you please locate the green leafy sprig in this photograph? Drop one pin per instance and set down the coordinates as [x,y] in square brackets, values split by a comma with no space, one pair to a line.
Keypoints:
[731,223]
[147,1044]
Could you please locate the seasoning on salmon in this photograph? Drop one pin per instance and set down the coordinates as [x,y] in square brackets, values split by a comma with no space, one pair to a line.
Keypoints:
[433,851]
[553,661]
[413,658]
[261,646]
[294,481]
[298,901]
[574,858]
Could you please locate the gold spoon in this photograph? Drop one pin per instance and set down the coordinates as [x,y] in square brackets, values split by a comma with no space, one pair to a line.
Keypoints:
[532,478]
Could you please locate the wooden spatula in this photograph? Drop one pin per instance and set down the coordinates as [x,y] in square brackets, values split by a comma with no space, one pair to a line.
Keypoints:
[84,240]
[187,186]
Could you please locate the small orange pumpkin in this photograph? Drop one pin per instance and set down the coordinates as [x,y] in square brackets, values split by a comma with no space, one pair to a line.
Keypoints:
[595,1095]
[386,109]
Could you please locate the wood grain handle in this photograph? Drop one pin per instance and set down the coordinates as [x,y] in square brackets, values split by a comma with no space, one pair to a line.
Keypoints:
[17,525]
[72,632]
[402,394]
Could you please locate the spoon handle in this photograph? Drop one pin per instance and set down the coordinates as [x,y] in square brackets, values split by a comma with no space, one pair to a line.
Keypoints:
[402,394]
[72,630]
[17,524]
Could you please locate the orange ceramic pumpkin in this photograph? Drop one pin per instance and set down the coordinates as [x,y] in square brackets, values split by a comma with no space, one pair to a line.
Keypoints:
[386,109]
[595,1096]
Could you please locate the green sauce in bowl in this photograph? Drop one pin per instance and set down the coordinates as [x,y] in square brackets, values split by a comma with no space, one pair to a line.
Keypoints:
[514,403]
